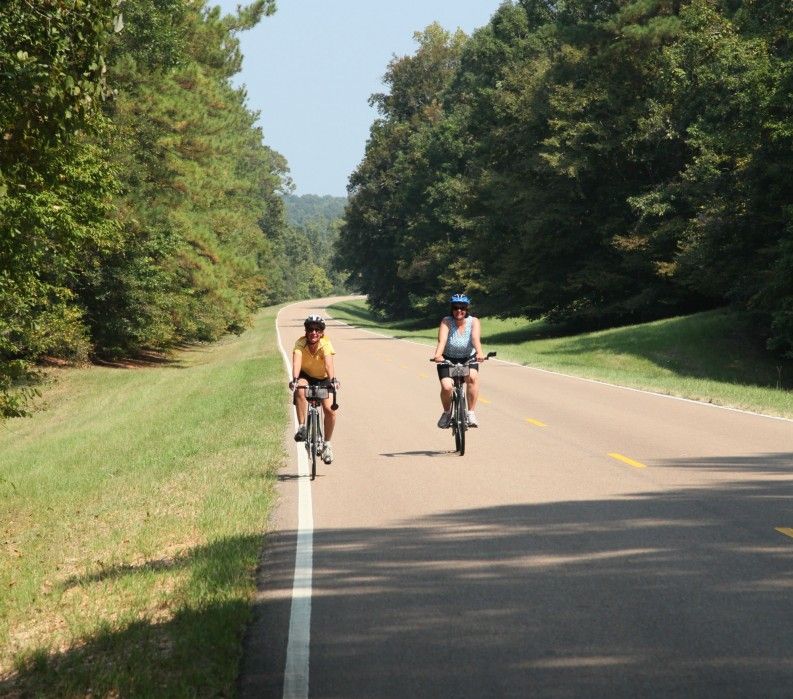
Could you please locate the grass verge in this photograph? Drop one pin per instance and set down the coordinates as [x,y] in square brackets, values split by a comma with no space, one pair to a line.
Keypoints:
[709,357]
[132,510]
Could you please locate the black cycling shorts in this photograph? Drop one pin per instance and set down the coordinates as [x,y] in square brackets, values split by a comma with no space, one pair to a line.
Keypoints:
[443,369]
[314,382]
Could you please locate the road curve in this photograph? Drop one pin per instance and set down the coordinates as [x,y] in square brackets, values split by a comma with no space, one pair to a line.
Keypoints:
[592,542]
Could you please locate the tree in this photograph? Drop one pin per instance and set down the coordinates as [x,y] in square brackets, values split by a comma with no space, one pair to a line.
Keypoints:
[55,187]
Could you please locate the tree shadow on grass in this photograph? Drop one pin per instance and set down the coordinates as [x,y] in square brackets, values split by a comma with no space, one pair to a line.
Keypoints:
[180,650]
[716,345]
[733,362]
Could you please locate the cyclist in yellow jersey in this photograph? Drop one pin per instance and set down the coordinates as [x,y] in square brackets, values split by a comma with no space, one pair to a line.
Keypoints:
[312,364]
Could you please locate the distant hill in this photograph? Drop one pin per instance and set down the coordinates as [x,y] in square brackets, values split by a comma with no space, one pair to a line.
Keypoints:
[313,228]
[302,209]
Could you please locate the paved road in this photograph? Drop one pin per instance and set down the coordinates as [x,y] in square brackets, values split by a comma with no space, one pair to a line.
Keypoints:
[593,541]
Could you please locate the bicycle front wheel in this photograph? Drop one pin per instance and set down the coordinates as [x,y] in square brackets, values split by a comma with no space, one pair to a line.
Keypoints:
[312,440]
[462,420]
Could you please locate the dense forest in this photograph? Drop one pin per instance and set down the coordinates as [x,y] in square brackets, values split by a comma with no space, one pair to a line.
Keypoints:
[139,207]
[589,163]
[592,163]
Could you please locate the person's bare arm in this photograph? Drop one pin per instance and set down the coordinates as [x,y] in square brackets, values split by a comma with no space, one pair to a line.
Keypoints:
[297,363]
[476,340]
[329,367]
[443,335]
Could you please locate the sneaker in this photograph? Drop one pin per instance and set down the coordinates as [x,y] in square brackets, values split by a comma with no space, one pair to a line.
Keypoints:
[300,435]
[445,420]
[327,454]
[472,421]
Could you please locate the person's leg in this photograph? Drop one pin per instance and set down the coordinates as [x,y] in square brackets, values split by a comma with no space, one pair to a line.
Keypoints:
[301,404]
[472,382]
[330,418]
[301,407]
[447,386]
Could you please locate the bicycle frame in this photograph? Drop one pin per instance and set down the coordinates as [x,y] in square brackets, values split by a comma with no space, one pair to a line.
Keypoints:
[315,440]
[458,371]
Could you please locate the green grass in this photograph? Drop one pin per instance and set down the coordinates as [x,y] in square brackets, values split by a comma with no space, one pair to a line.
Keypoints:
[132,512]
[706,356]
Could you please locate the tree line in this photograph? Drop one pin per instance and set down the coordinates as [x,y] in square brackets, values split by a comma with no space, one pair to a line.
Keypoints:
[139,207]
[593,163]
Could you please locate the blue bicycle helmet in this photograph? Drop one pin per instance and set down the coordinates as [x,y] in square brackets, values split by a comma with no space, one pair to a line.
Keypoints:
[460,298]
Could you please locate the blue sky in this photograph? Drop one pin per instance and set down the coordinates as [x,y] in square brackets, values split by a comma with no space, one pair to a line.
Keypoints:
[310,68]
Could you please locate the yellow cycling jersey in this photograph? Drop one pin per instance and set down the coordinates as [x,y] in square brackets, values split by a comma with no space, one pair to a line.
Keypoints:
[313,363]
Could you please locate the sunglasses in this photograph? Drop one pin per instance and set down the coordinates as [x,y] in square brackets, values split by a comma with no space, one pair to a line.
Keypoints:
[459,308]
[313,330]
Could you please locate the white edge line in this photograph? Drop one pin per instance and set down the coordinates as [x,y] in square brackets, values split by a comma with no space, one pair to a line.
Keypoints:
[583,378]
[299,639]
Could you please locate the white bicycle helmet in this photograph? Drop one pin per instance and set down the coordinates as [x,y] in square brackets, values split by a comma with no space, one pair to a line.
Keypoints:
[314,321]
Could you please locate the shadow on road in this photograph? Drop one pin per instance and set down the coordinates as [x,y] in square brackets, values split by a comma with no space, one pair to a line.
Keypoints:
[421,452]
[683,593]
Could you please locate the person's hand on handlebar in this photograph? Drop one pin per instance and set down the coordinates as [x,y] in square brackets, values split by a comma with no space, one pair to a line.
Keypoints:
[438,358]
[293,384]
[335,383]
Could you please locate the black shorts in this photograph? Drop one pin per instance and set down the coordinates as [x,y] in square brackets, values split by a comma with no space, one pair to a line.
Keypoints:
[443,369]
[314,382]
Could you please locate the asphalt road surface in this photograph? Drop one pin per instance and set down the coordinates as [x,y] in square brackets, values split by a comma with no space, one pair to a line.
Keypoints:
[594,541]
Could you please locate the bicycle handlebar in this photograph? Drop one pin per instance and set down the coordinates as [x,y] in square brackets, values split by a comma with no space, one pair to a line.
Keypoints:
[334,405]
[471,360]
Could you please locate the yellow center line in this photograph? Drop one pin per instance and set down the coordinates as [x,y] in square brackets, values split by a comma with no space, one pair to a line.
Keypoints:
[787,531]
[626,460]
[484,400]
[532,421]
[423,375]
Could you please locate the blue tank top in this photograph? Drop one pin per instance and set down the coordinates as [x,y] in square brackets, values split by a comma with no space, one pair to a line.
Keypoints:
[459,344]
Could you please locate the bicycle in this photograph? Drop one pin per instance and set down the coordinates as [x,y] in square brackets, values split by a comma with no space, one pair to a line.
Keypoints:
[459,422]
[315,442]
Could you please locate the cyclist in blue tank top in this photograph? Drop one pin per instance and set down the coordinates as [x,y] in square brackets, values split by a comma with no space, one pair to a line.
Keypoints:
[458,339]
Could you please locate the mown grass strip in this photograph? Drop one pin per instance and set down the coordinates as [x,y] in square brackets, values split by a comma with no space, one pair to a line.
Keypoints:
[132,511]
[710,357]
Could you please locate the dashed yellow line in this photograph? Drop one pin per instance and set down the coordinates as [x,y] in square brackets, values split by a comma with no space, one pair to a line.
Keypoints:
[626,460]
[787,531]
[423,375]
[537,423]
[484,400]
